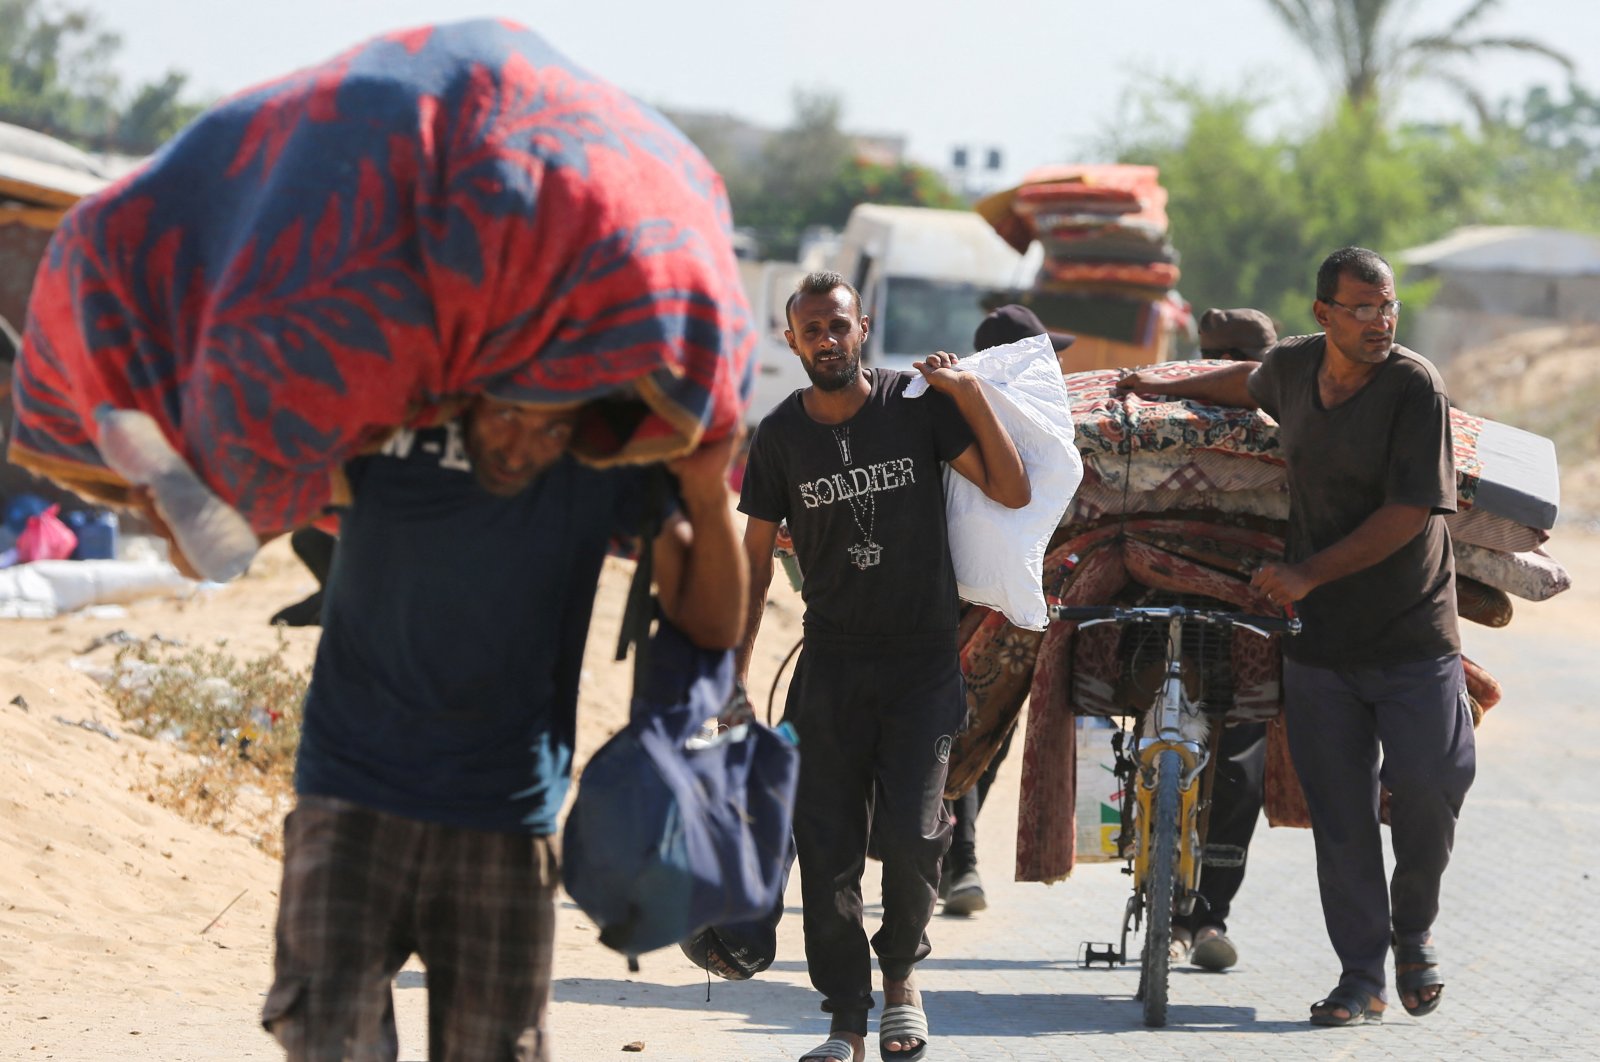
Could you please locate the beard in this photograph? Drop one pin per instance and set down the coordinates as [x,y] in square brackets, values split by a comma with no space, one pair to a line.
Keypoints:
[838,376]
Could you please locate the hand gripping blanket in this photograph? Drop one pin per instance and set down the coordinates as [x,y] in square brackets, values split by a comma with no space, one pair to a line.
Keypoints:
[362,246]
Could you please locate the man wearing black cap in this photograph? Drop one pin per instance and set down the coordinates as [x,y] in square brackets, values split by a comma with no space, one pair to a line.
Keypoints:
[1202,935]
[1013,322]
[959,885]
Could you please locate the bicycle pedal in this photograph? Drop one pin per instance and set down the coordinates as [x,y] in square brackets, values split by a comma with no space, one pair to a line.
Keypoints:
[1091,953]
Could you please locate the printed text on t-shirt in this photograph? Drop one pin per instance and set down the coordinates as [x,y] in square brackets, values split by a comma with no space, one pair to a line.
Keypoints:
[855,482]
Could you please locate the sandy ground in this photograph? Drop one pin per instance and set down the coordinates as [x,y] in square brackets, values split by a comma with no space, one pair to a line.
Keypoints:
[127,932]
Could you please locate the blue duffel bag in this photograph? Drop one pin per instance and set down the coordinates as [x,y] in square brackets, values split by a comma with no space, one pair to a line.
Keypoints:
[677,826]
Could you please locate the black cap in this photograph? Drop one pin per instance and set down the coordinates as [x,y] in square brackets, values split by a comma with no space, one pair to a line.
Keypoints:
[1241,335]
[1013,322]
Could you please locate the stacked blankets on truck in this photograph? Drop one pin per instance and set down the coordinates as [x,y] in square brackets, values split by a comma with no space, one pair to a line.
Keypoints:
[1109,270]
[364,245]
[1183,501]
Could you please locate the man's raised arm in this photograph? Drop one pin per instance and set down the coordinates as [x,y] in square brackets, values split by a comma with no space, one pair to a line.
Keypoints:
[992,461]
[700,570]
[1228,386]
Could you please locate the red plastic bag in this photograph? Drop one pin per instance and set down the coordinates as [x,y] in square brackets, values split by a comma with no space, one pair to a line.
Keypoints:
[46,538]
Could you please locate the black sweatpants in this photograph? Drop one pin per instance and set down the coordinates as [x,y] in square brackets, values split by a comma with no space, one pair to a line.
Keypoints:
[1236,795]
[964,844]
[1338,719]
[875,724]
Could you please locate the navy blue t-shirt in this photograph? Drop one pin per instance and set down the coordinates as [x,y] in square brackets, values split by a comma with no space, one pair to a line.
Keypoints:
[446,683]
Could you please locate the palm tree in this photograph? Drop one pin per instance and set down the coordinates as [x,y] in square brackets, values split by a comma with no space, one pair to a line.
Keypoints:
[1365,47]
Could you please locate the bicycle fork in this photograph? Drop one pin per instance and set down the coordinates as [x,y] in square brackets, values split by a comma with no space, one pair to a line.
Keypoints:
[1193,759]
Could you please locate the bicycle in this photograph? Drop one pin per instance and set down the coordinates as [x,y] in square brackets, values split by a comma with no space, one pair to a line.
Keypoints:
[1170,797]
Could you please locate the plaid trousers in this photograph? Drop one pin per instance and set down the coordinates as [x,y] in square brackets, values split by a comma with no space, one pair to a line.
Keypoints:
[364,890]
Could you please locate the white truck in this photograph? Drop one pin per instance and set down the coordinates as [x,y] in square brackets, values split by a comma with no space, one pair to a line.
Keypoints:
[922,274]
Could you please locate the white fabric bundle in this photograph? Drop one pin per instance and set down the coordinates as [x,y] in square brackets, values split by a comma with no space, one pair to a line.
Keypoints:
[998,552]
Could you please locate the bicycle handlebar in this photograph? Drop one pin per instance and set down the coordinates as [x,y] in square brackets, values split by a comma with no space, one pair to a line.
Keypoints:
[1089,614]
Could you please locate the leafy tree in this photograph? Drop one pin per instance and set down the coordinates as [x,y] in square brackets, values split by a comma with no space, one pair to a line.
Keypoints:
[56,76]
[54,72]
[1234,202]
[154,115]
[1360,185]
[1365,48]
[794,176]
[1501,178]
[860,181]
[808,174]
[1570,128]
[1252,215]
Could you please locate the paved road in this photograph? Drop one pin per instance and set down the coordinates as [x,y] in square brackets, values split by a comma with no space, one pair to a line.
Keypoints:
[1004,985]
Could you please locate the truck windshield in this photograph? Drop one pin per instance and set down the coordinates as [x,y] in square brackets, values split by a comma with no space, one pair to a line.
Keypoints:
[920,316]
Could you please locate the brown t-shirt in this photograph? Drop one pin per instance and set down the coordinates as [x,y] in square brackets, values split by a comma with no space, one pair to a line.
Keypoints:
[1389,443]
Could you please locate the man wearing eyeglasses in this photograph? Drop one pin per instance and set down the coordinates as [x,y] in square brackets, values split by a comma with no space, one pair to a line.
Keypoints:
[1364,425]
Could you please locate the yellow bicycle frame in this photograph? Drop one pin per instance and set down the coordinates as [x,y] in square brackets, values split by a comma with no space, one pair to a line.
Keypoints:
[1188,814]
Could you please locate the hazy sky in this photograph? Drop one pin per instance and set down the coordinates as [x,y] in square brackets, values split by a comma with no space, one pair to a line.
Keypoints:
[1040,79]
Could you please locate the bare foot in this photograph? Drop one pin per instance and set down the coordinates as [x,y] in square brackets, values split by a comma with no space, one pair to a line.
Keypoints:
[1178,946]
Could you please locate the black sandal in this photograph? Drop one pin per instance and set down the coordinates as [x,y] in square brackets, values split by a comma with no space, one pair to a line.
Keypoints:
[1414,981]
[1356,1004]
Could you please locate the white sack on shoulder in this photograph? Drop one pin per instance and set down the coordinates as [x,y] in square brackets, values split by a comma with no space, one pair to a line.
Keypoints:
[998,553]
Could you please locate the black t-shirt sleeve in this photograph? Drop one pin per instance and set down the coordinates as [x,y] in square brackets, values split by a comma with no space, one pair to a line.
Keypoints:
[1422,459]
[764,495]
[1266,381]
[951,432]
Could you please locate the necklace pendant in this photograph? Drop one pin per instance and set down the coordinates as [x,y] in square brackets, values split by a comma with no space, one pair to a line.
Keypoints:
[866,556]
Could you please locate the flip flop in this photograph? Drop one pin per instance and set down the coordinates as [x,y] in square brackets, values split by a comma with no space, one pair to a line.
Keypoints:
[1355,1003]
[902,1022]
[1414,981]
[834,1049]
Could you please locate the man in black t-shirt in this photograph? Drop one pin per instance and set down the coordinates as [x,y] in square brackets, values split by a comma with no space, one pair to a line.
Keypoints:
[1238,787]
[437,738]
[1365,428]
[855,467]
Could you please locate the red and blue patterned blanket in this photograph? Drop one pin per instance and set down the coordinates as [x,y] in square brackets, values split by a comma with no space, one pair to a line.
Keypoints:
[363,245]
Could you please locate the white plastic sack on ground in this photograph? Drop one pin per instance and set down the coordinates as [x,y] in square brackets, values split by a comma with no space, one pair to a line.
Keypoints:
[998,552]
[48,588]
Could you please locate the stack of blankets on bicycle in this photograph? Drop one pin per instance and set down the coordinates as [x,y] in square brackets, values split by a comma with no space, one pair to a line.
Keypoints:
[363,246]
[1180,502]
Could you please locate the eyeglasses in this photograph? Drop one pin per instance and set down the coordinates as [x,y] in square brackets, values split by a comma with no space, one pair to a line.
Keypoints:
[1368,314]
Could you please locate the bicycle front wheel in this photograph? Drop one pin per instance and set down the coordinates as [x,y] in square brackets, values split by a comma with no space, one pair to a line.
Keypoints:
[1162,876]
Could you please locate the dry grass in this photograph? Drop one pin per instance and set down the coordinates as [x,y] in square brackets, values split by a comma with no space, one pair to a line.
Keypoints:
[241,719]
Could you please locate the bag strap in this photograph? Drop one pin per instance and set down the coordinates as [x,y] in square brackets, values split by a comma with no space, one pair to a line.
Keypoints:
[640,610]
